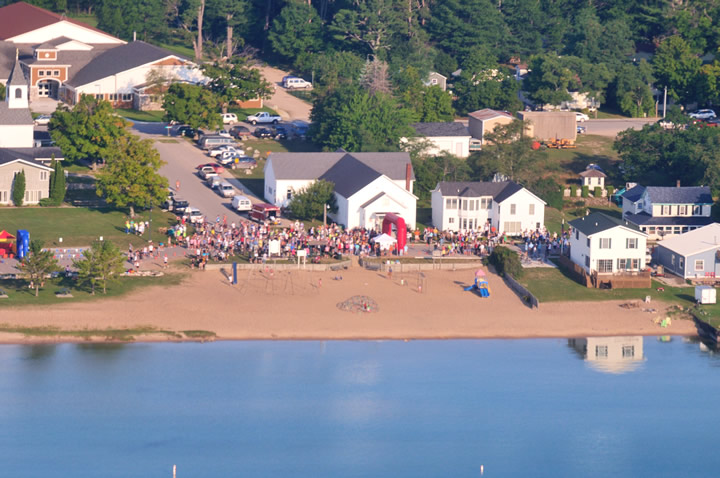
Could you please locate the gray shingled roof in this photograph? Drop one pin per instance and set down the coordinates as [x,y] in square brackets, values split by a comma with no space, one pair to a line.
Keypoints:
[313,165]
[681,195]
[17,76]
[441,129]
[52,44]
[15,116]
[472,189]
[645,219]
[599,222]
[350,175]
[634,194]
[118,59]
[593,173]
[8,155]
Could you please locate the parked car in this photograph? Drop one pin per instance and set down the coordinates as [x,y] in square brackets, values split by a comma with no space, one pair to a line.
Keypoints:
[581,117]
[263,117]
[301,127]
[293,82]
[245,162]
[239,132]
[229,159]
[581,129]
[42,119]
[223,148]
[178,205]
[281,131]
[215,167]
[186,131]
[214,181]
[193,215]
[263,133]
[703,114]
[225,189]
[713,122]
[229,118]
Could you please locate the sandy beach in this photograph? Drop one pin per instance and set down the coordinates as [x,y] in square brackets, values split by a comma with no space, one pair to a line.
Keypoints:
[303,305]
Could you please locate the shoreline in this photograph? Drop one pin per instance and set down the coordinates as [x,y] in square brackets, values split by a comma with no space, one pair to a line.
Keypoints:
[303,305]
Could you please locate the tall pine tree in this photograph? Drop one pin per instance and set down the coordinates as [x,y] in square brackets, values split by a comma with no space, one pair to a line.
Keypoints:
[18,191]
[57,184]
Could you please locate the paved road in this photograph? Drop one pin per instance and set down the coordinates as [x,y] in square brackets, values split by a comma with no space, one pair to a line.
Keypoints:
[611,127]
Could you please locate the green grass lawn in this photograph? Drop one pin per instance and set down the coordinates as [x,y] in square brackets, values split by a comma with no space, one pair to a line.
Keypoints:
[179,47]
[564,165]
[551,285]
[266,146]
[150,116]
[20,295]
[79,226]
[83,17]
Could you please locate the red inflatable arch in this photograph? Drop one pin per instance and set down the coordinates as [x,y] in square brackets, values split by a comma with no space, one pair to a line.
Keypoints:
[399,222]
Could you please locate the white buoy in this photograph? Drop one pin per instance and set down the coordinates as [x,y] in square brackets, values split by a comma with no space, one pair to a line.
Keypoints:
[174,471]
[482,469]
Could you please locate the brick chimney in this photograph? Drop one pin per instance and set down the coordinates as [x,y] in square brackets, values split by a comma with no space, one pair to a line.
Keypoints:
[677,183]
[408,176]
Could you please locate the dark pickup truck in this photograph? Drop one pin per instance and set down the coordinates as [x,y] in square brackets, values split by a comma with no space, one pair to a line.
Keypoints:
[177,205]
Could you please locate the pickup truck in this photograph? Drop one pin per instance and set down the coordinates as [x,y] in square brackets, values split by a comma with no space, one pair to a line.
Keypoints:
[263,117]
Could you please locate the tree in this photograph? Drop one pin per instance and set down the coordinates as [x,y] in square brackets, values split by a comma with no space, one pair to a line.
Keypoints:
[192,105]
[677,68]
[507,152]
[632,89]
[369,25]
[2,92]
[57,183]
[298,29]
[374,77]
[235,80]
[436,105]
[352,119]
[430,170]
[130,178]
[38,264]
[18,188]
[123,18]
[87,131]
[232,14]
[101,263]
[331,69]
[549,81]
[311,201]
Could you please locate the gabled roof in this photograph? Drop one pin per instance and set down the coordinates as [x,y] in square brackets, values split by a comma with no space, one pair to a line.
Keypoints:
[10,155]
[694,242]
[14,116]
[17,75]
[487,113]
[593,173]
[599,222]
[118,59]
[679,195]
[18,18]
[350,175]
[634,194]
[309,166]
[499,191]
[449,128]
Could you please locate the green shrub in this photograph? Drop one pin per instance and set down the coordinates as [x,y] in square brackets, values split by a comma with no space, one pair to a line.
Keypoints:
[549,191]
[610,190]
[597,192]
[579,203]
[585,191]
[506,262]
[573,191]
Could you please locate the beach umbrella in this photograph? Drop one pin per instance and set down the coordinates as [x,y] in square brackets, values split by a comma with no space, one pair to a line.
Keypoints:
[479,273]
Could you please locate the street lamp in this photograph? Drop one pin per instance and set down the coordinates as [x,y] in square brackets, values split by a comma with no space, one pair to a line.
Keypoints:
[325,210]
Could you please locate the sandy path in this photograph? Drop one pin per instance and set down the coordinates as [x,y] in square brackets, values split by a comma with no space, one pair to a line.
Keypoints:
[281,309]
[287,105]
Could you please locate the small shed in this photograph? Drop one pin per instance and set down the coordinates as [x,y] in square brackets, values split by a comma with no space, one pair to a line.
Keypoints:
[548,125]
[705,294]
[592,178]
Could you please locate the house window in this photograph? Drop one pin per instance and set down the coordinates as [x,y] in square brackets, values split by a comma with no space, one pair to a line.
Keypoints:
[605,265]
[464,205]
[577,235]
[621,264]
[41,72]
[464,223]
[605,243]
[531,210]
[588,242]
[682,210]
[628,264]
[628,351]
[448,203]
[485,203]
[433,81]
[99,96]
[512,227]
[651,230]
[512,209]
[587,261]
[672,259]
[601,351]
[696,210]
[3,196]
[681,263]
[472,204]
[289,193]
[127,96]
[451,220]
[631,243]
[43,175]
[699,266]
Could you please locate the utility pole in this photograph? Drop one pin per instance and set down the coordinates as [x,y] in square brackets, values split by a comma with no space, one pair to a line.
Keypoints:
[665,103]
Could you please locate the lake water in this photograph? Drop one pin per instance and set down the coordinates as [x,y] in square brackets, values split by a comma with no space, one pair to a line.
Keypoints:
[629,407]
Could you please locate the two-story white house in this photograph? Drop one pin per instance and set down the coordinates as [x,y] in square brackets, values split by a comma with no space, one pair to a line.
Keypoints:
[664,211]
[607,245]
[506,206]
[367,185]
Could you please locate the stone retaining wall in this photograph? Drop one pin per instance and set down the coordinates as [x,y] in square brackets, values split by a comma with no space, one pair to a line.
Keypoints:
[283,267]
[522,292]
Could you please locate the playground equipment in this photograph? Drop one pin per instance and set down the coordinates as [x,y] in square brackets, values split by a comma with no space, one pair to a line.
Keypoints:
[480,286]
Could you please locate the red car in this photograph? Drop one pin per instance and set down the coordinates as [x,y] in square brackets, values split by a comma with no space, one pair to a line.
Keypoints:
[216,167]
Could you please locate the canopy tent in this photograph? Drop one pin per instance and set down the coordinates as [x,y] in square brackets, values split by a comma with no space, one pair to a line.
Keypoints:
[385,241]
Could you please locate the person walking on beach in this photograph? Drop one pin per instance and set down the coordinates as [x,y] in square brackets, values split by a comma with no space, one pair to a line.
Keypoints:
[390,273]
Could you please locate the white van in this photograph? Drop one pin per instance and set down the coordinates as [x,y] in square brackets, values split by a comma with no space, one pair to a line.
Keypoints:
[213,141]
[229,118]
[293,83]
[241,203]
[225,189]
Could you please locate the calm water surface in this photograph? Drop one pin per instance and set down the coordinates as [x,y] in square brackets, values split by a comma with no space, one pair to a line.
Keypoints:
[530,408]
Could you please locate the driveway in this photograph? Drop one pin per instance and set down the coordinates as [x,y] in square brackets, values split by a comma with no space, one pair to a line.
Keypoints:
[287,105]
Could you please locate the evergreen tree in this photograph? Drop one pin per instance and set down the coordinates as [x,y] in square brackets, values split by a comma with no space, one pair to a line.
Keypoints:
[57,183]
[18,190]
[297,30]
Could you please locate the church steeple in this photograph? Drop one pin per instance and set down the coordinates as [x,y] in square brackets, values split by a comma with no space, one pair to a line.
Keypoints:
[16,90]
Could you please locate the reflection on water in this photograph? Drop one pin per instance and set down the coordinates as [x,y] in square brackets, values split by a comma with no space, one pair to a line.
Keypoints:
[610,354]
